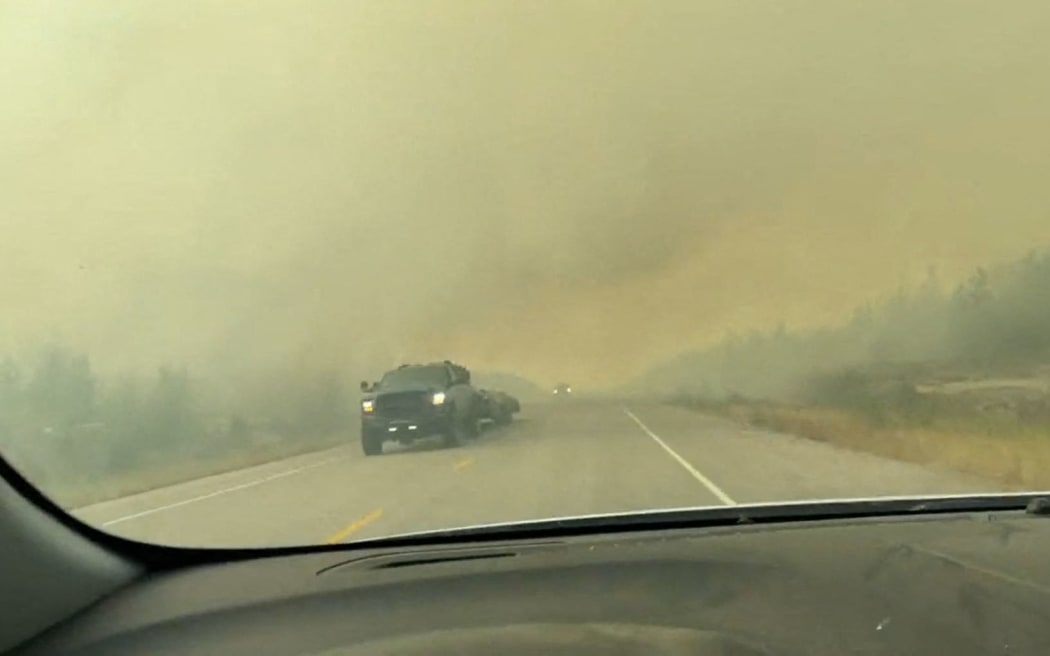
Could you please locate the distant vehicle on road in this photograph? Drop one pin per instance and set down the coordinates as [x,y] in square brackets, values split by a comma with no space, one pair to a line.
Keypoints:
[416,401]
[500,407]
[563,389]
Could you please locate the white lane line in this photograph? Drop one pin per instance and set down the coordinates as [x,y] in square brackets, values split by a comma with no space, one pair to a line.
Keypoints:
[211,495]
[705,481]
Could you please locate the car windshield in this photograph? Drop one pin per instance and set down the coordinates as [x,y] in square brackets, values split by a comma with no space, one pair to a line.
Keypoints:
[782,251]
[414,377]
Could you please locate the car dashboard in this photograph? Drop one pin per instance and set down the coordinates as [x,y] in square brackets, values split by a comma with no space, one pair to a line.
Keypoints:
[961,583]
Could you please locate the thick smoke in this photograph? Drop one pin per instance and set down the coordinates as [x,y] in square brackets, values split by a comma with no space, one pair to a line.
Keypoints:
[569,190]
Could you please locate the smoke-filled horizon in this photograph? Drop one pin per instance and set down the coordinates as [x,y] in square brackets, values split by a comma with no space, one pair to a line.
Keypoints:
[566,190]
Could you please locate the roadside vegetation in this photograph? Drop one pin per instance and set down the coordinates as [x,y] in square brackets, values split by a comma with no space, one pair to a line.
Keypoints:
[83,437]
[956,377]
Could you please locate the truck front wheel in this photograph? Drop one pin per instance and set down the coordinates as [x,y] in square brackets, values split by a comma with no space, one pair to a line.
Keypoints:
[460,430]
[371,443]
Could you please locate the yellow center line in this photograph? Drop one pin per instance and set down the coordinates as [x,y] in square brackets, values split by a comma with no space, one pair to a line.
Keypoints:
[355,526]
[463,464]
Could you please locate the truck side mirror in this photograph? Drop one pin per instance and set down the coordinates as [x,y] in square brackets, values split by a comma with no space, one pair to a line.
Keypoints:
[365,387]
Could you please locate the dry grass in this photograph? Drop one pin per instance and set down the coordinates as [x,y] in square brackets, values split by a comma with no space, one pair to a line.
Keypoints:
[1021,460]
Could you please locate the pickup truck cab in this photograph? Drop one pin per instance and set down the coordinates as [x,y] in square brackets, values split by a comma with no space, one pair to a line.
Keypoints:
[416,401]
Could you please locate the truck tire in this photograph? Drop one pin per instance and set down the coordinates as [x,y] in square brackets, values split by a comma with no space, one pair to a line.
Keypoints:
[371,444]
[459,431]
[473,427]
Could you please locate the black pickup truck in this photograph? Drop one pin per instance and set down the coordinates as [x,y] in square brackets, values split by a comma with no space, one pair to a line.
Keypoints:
[416,401]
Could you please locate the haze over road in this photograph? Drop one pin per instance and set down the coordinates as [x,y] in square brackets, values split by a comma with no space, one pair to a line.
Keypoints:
[575,457]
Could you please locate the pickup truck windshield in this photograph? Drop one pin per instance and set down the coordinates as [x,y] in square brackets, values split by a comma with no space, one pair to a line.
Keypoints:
[411,377]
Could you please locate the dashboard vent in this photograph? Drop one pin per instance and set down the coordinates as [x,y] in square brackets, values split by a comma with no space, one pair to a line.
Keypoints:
[431,557]
[412,562]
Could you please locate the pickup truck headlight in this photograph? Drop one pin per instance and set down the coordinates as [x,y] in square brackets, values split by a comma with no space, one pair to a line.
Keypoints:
[368,407]
[438,398]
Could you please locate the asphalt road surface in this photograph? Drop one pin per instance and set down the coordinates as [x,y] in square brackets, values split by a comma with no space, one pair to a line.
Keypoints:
[574,457]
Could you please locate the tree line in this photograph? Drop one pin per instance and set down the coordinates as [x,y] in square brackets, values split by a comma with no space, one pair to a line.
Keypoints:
[66,426]
[995,322]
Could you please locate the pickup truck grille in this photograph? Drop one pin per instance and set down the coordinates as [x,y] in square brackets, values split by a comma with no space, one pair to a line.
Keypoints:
[400,404]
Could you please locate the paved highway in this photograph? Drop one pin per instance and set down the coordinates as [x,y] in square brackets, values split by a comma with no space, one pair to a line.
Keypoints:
[558,459]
